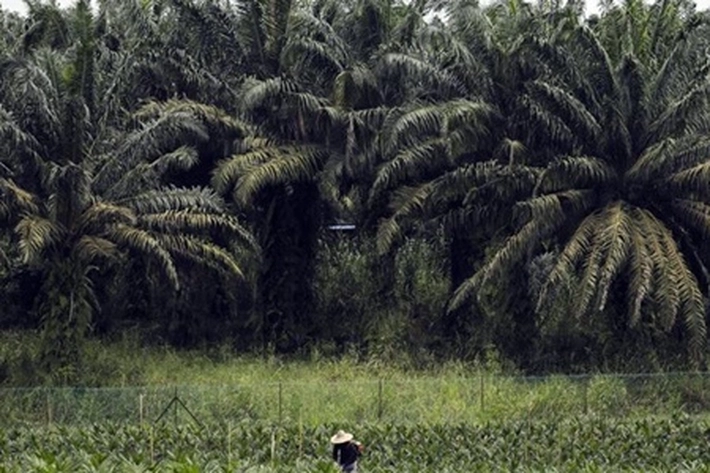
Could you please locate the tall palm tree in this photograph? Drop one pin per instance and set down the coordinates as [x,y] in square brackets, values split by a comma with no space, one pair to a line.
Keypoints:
[73,198]
[625,206]
[317,111]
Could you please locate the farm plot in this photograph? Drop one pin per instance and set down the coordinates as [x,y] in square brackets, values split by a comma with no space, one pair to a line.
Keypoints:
[579,444]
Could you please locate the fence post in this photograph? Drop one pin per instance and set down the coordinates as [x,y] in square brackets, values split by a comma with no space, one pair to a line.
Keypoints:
[49,407]
[482,389]
[379,401]
[229,443]
[140,407]
[280,402]
[585,394]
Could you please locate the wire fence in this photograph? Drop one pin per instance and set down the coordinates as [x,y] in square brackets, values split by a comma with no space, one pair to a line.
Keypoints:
[436,401]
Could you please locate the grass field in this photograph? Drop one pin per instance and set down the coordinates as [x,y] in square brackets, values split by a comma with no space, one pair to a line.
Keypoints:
[267,415]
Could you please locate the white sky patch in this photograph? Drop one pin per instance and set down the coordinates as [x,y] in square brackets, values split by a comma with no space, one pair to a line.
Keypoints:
[19,5]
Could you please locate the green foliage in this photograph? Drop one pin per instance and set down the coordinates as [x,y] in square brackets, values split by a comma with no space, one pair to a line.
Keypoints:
[353,309]
[577,445]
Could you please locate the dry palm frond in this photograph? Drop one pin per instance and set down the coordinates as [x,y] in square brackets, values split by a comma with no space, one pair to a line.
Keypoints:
[90,248]
[35,235]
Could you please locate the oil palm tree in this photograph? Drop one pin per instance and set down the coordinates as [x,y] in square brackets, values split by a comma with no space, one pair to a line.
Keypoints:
[624,207]
[74,199]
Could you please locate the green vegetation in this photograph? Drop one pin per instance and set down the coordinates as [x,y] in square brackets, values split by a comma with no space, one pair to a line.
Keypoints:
[579,445]
[516,178]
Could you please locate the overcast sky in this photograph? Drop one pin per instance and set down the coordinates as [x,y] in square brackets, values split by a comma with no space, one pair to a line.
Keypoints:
[18,5]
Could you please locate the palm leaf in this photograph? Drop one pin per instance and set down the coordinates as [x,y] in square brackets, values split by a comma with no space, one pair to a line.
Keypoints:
[616,244]
[409,203]
[292,164]
[35,235]
[100,214]
[640,269]
[161,200]
[522,242]
[576,250]
[17,198]
[575,171]
[90,248]
[201,251]
[189,221]
[146,245]
[572,110]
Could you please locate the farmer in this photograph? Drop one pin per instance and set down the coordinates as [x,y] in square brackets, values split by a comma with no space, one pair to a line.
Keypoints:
[346,451]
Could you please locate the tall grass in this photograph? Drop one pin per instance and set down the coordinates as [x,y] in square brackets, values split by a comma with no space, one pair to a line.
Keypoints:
[132,384]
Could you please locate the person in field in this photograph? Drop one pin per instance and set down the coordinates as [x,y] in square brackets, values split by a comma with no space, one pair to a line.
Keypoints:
[346,451]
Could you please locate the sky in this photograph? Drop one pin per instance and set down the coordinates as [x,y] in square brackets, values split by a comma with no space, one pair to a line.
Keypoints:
[18,5]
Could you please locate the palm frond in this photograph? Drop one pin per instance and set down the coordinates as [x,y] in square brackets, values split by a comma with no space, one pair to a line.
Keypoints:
[525,240]
[683,114]
[100,214]
[420,71]
[35,235]
[692,306]
[90,248]
[693,180]
[15,197]
[693,214]
[146,176]
[544,123]
[228,172]
[576,250]
[146,245]
[202,252]
[572,110]
[302,53]
[205,224]
[162,200]
[615,242]
[409,202]
[291,164]
[217,121]
[665,278]
[145,145]
[575,171]
[412,162]
[572,202]
[602,77]
[640,269]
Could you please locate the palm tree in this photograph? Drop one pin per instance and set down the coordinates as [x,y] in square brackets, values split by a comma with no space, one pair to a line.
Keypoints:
[316,113]
[74,198]
[625,206]
[471,142]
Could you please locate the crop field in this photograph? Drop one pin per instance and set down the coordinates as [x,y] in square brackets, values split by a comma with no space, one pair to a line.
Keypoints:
[581,444]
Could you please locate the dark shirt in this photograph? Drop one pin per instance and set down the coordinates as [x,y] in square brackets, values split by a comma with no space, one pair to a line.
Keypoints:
[345,453]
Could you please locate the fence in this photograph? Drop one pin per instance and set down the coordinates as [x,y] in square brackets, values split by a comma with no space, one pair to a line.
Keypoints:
[436,401]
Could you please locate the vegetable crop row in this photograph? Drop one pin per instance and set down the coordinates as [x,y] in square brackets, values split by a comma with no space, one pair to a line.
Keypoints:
[580,444]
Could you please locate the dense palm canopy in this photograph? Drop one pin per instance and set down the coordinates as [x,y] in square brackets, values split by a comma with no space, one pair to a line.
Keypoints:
[75,198]
[558,162]
[623,204]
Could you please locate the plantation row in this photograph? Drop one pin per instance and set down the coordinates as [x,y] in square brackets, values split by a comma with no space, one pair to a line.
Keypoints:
[581,444]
